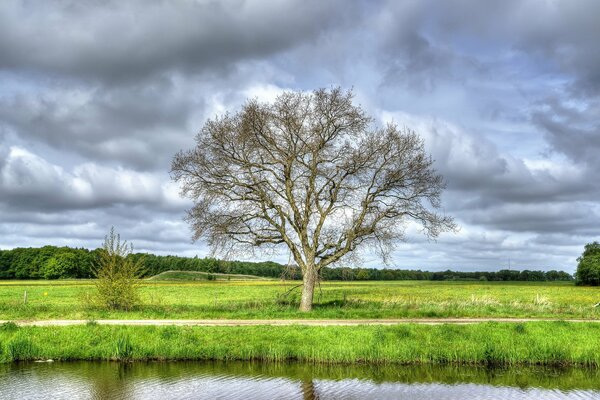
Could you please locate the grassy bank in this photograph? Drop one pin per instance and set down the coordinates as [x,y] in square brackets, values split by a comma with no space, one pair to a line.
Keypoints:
[539,343]
[264,299]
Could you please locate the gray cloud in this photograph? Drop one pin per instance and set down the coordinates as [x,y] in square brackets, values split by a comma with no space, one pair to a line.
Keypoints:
[558,37]
[115,41]
[132,125]
[573,130]
[540,217]
[411,57]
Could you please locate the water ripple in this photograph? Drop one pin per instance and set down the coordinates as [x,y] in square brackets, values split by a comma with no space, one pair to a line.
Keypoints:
[164,381]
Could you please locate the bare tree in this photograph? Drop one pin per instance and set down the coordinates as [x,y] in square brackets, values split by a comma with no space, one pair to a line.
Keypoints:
[308,172]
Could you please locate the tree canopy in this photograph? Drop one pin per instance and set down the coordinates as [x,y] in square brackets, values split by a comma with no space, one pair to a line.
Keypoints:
[588,267]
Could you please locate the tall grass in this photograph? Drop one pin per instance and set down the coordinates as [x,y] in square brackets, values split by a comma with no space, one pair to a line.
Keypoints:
[534,343]
[123,348]
[20,348]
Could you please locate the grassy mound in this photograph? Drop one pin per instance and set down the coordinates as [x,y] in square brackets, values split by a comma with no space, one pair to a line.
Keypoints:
[202,276]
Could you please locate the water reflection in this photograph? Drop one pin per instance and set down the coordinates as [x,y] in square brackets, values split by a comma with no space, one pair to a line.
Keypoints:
[195,380]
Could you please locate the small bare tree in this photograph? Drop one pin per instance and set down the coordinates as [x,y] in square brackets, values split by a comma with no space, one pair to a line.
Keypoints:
[308,172]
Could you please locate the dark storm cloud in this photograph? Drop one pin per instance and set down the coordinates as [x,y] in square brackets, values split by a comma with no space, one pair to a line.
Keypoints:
[125,40]
[541,217]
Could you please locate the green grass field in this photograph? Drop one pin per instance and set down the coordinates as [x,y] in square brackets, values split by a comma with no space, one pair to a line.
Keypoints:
[537,343]
[265,299]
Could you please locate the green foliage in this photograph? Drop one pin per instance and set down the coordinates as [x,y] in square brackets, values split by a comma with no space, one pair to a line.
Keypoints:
[61,266]
[588,267]
[117,276]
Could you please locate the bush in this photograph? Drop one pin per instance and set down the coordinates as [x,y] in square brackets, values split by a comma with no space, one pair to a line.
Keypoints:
[117,274]
[588,269]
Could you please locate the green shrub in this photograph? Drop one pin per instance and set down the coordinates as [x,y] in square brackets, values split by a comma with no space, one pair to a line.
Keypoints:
[117,274]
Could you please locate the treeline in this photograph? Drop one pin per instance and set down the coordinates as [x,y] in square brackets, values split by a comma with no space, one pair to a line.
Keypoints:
[373,274]
[503,275]
[50,262]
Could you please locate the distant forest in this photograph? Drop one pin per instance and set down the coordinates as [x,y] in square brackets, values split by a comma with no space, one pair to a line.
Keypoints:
[50,262]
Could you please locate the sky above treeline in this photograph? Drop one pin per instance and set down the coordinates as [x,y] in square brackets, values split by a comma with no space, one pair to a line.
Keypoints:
[97,97]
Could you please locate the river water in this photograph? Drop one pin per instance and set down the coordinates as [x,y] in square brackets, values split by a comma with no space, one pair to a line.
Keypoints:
[252,380]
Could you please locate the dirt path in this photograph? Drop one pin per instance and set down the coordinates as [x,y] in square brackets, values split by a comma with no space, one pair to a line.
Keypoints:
[286,322]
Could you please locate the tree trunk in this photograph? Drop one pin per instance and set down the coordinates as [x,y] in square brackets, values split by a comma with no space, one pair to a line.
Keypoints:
[308,288]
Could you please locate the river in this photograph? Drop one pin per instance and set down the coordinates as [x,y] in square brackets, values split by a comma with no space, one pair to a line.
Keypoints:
[254,380]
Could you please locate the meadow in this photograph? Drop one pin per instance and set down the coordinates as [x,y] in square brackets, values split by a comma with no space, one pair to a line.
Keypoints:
[259,299]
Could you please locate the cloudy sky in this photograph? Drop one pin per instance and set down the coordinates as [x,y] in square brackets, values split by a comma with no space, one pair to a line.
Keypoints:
[97,97]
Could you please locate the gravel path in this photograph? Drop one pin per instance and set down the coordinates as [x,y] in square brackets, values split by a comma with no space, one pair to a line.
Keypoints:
[285,322]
